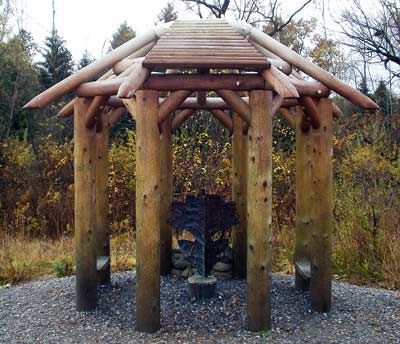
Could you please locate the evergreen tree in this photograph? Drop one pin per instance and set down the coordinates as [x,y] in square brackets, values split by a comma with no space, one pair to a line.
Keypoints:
[57,63]
[123,34]
[85,60]
[18,83]
[168,13]
[383,98]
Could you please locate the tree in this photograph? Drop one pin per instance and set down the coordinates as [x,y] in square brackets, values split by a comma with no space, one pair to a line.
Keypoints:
[374,34]
[168,13]
[57,61]
[18,83]
[85,60]
[256,12]
[123,34]
[5,13]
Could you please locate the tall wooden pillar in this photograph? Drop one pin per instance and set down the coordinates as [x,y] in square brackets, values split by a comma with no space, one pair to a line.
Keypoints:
[85,209]
[314,206]
[102,200]
[239,171]
[147,212]
[166,190]
[259,211]
[303,200]
[322,210]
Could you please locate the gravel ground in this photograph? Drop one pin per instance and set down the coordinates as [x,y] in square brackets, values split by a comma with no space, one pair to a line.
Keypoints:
[43,312]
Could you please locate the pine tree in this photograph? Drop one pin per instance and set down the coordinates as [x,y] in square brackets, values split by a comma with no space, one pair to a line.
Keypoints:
[382,97]
[168,13]
[57,63]
[86,60]
[123,34]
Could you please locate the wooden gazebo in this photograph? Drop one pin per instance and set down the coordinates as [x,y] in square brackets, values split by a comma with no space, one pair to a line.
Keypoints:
[243,77]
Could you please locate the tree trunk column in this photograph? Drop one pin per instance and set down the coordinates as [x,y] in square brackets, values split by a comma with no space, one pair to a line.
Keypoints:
[322,210]
[303,199]
[239,171]
[259,212]
[147,212]
[166,189]
[85,209]
[102,200]
[314,205]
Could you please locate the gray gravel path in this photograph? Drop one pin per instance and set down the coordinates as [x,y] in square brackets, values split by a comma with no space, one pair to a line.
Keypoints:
[43,312]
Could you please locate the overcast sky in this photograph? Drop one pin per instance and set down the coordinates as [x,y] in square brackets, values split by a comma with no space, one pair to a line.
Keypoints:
[89,24]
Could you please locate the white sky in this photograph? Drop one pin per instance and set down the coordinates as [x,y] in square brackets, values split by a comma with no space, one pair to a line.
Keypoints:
[89,24]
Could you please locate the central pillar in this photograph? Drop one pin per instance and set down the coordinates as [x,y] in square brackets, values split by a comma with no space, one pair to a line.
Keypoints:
[239,171]
[259,211]
[102,200]
[85,208]
[147,212]
[166,196]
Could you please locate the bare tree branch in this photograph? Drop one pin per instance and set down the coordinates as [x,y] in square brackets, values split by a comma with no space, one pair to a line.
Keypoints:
[376,35]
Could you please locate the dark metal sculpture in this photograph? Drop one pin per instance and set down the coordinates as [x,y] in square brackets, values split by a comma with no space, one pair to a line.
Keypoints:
[208,218]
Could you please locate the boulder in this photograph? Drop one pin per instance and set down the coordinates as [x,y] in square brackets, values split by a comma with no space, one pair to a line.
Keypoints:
[222,276]
[222,267]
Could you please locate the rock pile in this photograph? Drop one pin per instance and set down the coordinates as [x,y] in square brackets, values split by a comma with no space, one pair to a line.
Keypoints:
[222,270]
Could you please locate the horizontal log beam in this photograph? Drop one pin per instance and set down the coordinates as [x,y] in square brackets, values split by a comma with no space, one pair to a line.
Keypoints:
[194,82]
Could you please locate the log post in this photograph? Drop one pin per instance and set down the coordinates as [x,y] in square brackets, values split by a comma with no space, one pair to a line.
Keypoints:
[322,210]
[85,208]
[239,171]
[147,212]
[303,199]
[314,207]
[102,201]
[259,212]
[166,190]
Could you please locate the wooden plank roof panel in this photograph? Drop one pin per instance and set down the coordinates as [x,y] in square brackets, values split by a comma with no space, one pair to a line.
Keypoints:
[204,44]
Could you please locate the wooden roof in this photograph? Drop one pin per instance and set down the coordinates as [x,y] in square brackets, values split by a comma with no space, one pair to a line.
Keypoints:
[204,44]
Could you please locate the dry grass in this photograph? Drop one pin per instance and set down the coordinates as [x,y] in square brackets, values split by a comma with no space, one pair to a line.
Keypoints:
[23,259]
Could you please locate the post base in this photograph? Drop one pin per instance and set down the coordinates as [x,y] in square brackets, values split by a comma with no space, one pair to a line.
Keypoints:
[202,288]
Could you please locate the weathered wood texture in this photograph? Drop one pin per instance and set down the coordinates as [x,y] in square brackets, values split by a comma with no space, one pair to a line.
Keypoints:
[314,207]
[102,200]
[303,195]
[90,71]
[166,190]
[198,45]
[259,212]
[306,66]
[239,172]
[85,209]
[147,212]
[322,209]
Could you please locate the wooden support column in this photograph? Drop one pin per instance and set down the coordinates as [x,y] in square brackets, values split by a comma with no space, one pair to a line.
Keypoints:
[259,212]
[85,208]
[102,200]
[166,190]
[314,207]
[147,212]
[239,171]
[303,200]
[322,210]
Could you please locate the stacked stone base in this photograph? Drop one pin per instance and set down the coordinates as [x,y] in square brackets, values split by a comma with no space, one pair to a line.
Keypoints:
[222,270]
